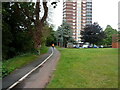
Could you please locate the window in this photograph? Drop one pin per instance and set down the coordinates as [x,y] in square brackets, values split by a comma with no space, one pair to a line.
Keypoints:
[73,17]
[64,16]
[73,10]
[89,2]
[73,23]
[79,24]
[79,21]
[73,20]
[84,1]
[89,8]
[89,18]
[84,11]
[84,5]
[89,15]
[84,8]
[74,28]
[73,4]
[83,24]
[84,21]
[89,5]
[74,14]
[84,17]
[73,7]
[79,27]
[84,14]
[73,33]
[74,1]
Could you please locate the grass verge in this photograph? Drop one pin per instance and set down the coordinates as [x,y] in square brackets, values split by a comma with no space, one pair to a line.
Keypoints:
[44,49]
[12,64]
[86,68]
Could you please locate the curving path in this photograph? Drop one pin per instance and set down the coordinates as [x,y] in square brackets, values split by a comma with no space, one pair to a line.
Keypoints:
[41,77]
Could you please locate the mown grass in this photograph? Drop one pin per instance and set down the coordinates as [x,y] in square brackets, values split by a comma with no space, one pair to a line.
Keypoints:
[12,64]
[86,68]
[44,49]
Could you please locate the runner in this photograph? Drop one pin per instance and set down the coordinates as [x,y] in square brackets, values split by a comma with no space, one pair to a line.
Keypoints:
[53,46]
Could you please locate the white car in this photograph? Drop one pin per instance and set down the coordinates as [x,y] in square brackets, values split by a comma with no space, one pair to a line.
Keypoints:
[74,46]
[85,46]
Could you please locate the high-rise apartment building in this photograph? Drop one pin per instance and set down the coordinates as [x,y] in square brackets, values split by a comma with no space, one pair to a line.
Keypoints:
[77,13]
[119,15]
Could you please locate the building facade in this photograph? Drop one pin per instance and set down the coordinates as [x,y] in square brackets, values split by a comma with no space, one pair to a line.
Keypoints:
[77,13]
[119,15]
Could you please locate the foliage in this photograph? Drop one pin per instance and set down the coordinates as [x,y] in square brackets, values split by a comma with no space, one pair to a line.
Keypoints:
[118,32]
[64,34]
[86,68]
[12,64]
[43,49]
[92,34]
[109,31]
[16,35]
[49,34]
[24,27]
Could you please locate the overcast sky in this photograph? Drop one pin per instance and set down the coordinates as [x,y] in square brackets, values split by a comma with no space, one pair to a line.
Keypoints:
[105,12]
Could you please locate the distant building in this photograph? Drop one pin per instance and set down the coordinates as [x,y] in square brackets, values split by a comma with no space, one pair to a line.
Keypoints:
[119,15]
[77,13]
[116,41]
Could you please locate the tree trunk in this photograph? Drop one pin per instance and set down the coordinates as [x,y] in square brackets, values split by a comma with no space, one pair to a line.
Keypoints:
[93,45]
[39,23]
[38,36]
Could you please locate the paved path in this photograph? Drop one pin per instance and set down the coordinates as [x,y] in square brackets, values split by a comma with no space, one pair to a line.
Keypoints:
[17,74]
[39,78]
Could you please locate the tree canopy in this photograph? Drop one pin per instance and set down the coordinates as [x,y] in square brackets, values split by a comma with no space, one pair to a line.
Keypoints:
[16,29]
[92,33]
[23,27]
[109,31]
[64,34]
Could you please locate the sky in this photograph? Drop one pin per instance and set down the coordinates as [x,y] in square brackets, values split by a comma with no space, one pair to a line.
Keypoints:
[105,12]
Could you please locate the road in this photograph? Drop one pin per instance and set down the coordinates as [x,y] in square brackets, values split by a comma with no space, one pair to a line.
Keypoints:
[41,77]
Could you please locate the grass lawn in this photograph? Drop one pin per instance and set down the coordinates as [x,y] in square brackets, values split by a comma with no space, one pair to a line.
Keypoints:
[86,68]
[10,65]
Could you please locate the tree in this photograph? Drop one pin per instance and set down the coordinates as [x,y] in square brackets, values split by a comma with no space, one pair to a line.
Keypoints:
[64,34]
[37,19]
[51,38]
[15,30]
[23,27]
[92,33]
[118,32]
[109,31]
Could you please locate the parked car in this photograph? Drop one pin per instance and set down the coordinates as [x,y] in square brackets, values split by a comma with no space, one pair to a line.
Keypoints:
[77,46]
[85,46]
[95,46]
[101,46]
[90,46]
[74,46]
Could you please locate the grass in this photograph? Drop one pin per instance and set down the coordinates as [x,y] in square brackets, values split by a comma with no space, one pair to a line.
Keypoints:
[43,49]
[86,68]
[12,64]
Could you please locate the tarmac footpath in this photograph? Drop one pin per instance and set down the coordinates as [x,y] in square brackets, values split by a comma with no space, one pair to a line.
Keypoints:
[19,73]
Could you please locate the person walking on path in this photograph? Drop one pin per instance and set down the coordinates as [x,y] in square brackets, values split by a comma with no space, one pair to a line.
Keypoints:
[53,46]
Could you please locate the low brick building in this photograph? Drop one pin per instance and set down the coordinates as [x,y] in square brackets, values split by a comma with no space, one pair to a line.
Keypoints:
[116,41]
